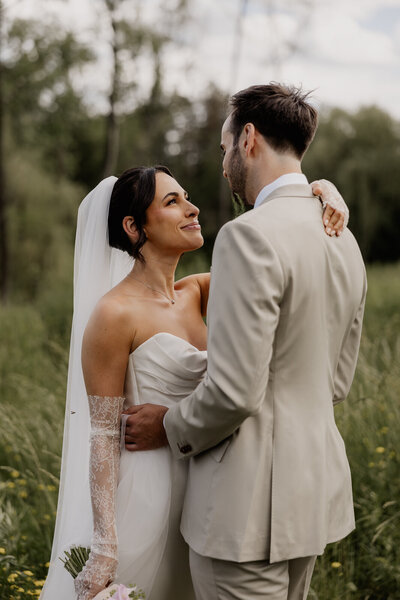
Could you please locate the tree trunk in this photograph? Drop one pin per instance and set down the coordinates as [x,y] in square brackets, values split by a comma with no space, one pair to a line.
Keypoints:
[4,259]
[112,127]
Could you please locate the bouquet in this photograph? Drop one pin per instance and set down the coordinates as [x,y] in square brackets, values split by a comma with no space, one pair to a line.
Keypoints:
[75,560]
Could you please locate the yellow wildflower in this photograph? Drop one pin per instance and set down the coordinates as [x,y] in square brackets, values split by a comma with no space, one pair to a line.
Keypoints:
[384,429]
[14,474]
[12,577]
[371,464]
[336,565]
[2,550]
[380,449]
[21,481]
[39,582]
[51,488]
[11,484]
[23,494]
[47,517]
[47,564]
[20,589]
[41,486]
[29,573]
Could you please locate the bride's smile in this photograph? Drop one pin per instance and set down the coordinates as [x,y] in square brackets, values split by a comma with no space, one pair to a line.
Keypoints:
[172,225]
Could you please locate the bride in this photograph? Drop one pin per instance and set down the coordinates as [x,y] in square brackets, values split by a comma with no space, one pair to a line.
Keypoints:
[137,337]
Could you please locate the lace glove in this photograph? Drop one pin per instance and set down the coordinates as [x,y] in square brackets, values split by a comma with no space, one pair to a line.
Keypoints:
[336,211]
[99,571]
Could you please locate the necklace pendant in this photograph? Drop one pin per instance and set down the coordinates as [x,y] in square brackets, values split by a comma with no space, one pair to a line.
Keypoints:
[172,301]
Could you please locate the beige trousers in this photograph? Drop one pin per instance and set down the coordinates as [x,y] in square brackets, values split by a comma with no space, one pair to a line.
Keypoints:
[215,579]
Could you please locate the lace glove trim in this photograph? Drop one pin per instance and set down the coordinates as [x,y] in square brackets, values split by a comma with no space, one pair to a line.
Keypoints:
[105,416]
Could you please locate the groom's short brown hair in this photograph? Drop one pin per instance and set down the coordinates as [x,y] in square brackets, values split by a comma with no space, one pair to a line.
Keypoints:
[280,113]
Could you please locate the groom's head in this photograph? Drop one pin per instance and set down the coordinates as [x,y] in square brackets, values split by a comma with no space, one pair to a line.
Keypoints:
[267,133]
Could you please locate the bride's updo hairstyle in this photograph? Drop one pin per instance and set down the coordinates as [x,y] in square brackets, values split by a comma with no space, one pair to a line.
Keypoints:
[132,195]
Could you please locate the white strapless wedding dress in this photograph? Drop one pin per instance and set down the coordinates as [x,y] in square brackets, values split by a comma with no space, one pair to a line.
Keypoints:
[152,552]
[151,487]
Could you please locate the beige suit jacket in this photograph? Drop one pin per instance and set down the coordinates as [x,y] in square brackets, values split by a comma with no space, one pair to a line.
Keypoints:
[284,320]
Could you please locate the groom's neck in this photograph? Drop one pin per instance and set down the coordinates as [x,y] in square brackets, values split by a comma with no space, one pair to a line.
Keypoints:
[269,169]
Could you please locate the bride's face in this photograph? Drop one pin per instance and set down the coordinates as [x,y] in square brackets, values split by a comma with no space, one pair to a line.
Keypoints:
[172,224]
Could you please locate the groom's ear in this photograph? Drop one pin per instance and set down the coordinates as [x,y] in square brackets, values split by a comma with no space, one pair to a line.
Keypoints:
[129,225]
[249,138]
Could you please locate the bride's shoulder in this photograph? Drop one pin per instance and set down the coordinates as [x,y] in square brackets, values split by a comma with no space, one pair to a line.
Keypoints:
[199,283]
[110,307]
[198,280]
[112,316]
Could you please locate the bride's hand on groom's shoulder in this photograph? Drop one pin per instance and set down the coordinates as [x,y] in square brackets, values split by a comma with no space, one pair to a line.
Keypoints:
[145,428]
[96,575]
[335,211]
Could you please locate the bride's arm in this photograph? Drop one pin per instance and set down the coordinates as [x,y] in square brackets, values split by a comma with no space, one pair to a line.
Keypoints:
[104,359]
[201,281]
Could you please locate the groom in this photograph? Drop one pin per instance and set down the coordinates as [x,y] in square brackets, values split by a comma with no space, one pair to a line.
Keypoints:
[269,482]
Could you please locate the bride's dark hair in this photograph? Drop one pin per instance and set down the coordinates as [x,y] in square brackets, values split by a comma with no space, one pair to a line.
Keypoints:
[132,195]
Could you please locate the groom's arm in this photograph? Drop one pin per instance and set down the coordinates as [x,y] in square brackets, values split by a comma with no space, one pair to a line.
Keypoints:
[349,354]
[247,284]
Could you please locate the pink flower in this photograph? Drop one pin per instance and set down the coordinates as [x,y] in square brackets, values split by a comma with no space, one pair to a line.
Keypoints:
[116,591]
[105,594]
[122,593]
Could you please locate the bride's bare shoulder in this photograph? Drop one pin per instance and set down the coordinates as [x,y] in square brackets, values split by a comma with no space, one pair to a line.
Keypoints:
[200,284]
[113,321]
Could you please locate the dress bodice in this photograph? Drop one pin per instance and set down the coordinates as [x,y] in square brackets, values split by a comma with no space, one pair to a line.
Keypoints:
[152,553]
[163,370]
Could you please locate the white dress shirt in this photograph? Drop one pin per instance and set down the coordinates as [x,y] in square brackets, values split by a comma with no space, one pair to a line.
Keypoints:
[287,179]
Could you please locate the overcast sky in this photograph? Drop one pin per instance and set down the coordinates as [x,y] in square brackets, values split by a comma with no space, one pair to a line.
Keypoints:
[347,50]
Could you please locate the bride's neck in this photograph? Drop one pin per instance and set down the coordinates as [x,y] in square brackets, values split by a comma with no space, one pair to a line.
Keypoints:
[157,272]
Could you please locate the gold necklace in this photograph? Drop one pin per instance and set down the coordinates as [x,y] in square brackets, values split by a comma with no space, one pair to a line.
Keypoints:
[154,290]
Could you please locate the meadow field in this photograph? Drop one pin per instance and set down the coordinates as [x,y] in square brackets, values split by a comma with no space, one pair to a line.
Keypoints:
[33,369]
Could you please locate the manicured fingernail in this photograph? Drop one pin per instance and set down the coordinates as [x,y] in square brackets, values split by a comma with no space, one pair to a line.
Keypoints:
[328,231]
[326,221]
[332,233]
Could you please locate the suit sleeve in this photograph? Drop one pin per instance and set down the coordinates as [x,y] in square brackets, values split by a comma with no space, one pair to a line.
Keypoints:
[247,284]
[349,354]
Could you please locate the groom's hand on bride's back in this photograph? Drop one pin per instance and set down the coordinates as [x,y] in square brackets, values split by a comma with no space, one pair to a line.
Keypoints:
[144,427]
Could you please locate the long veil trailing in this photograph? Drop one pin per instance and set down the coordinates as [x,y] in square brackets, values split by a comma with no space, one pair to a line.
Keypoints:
[97,268]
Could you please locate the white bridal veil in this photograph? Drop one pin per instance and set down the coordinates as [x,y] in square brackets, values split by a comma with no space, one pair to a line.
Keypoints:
[97,268]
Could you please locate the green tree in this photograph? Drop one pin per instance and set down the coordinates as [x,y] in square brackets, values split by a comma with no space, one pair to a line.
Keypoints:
[130,39]
[37,99]
[360,153]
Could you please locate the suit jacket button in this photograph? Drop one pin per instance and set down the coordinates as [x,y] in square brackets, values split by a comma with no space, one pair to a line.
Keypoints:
[186,448]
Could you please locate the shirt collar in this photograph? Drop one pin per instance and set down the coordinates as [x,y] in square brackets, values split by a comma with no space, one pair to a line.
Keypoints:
[287,179]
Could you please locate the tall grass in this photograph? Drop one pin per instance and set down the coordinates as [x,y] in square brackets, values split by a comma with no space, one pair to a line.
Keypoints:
[32,390]
[366,565]
[33,366]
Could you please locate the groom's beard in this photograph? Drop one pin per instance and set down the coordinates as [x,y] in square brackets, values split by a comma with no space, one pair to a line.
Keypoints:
[238,178]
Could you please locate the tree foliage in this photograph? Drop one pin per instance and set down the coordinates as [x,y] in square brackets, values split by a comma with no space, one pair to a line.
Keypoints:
[55,149]
[360,153]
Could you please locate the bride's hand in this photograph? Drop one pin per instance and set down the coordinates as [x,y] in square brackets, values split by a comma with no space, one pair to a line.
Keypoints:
[336,213]
[97,574]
